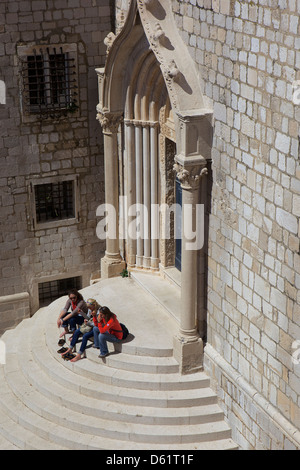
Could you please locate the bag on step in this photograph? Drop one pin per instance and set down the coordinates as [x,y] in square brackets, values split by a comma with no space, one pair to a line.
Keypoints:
[85,328]
[125,330]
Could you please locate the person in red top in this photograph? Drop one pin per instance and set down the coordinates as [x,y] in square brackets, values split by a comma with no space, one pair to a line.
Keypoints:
[110,330]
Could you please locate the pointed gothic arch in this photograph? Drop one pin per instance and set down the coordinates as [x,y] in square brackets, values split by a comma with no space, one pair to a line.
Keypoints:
[150,86]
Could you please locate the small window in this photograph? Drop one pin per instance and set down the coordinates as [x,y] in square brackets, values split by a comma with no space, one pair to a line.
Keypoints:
[52,290]
[49,82]
[54,201]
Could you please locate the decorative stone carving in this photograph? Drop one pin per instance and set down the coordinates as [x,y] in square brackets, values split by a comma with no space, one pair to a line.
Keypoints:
[162,33]
[109,40]
[109,121]
[190,178]
[159,34]
[204,172]
[120,22]
[173,70]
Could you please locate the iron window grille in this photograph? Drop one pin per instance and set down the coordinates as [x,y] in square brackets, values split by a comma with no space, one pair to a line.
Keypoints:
[54,201]
[49,82]
[52,290]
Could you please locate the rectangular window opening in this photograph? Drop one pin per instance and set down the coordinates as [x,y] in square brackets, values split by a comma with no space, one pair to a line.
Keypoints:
[49,82]
[52,290]
[54,201]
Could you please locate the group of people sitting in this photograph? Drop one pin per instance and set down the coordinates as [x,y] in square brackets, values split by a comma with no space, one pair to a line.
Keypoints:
[88,319]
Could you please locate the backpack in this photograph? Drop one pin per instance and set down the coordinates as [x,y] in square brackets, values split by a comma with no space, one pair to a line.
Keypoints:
[125,331]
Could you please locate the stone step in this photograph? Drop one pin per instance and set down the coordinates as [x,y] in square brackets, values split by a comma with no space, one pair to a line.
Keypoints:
[11,423]
[153,365]
[99,426]
[108,409]
[5,426]
[129,360]
[88,385]
[135,399]
[33,355]
[87,435]
[146,319]
[174,398]
[151,360]
[100,372]
[121,361]
[97,372]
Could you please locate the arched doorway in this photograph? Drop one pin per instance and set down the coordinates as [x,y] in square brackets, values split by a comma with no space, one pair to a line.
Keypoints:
[145,96]
[149,149]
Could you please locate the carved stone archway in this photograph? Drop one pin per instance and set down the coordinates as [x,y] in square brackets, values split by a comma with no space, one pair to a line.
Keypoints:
[148,68]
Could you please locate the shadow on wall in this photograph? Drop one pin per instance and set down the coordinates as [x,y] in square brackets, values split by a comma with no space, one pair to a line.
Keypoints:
[206,199]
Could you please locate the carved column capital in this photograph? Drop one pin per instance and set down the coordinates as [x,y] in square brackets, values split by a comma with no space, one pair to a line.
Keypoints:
[109,121]
[190,177]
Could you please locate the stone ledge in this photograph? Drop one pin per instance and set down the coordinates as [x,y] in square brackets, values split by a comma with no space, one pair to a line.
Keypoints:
[5,299]
[19,305]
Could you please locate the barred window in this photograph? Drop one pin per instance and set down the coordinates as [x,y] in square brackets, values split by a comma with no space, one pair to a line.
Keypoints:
[49,82]
[52,290]
[54,201]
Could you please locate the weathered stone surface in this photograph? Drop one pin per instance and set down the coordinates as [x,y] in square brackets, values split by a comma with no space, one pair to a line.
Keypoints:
[248,64]
[33,150]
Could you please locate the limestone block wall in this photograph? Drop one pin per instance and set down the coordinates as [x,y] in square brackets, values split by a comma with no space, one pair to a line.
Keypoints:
[13,309]
[37,151]
[247,53]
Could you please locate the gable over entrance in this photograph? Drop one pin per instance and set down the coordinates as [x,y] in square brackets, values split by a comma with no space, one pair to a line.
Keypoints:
[149,89]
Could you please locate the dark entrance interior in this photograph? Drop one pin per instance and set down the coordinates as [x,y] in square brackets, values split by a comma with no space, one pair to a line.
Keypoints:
[178,225]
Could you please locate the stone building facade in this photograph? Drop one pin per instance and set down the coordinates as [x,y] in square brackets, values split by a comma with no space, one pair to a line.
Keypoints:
[247,57]
[243,287]
[50,145]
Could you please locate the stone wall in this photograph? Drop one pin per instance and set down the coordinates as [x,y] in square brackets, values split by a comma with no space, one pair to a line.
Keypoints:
[34,151]
[13,309]
[247,54]
[248,59]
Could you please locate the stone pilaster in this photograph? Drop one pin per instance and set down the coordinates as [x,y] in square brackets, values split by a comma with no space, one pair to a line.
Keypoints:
[193,149]
[188,346]
[112,264]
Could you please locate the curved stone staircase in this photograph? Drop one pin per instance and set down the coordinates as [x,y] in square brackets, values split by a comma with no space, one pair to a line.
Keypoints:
[134,399]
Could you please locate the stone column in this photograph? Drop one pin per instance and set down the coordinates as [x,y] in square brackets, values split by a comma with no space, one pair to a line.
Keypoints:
[112,264]
[154,195]
[131,193]
[188,346]
[193,152]
[139,193]
[147,195]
